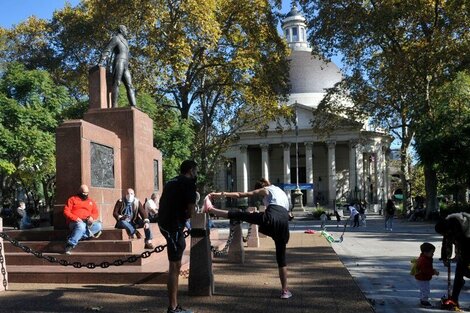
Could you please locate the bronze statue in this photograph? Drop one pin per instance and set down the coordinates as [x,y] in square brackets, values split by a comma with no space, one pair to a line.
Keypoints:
[117,53]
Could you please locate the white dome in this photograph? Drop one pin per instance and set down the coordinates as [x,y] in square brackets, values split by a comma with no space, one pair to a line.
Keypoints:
[310,74]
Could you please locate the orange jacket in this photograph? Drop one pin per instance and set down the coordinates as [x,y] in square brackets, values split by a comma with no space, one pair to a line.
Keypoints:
[77,208]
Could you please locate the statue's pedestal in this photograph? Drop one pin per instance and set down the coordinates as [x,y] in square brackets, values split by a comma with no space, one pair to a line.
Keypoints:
[110,150]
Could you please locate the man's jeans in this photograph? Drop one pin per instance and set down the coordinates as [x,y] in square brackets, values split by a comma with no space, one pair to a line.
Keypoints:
[131,228]
[80,230]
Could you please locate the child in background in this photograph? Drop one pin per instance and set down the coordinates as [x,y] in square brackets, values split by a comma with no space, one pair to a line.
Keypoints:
[424,272]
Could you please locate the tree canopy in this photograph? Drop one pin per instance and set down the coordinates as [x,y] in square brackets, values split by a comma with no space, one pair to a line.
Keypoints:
[31,106]
[221,64]
[394,51]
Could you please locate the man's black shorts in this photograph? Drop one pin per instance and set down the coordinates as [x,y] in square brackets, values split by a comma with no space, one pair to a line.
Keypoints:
[176,243]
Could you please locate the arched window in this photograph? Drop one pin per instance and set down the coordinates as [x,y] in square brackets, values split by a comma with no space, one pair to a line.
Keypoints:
[295,35]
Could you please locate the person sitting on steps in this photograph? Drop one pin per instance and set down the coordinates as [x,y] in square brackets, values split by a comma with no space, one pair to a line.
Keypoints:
[130,215]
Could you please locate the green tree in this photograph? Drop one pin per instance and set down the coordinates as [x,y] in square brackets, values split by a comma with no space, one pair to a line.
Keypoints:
[221,64]
[173,135]
[443,138]
[30,110]
[391,49]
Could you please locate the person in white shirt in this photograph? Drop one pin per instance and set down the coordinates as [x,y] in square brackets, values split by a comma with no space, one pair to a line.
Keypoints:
[354,215]
[151,206]
[273,222]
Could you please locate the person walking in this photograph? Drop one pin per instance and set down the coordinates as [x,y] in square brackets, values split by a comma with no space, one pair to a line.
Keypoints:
[353,215]
[177,202]
[389,214]
[273,222]
[424,272]
[81,215]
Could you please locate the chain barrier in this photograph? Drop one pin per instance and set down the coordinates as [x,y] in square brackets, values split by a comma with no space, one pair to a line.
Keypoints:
[90,265]
[245,239]
[224,251]
[4,271]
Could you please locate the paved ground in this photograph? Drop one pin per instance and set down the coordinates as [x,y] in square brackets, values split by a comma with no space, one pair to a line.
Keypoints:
[315,271]
[379,261]
[375,262]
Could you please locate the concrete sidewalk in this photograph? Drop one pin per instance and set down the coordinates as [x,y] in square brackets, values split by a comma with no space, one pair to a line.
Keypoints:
[317,278]
[379,262]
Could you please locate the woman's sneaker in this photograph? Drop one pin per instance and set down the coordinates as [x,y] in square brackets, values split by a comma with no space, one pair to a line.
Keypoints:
[207,205]
[286,294]
[178,309]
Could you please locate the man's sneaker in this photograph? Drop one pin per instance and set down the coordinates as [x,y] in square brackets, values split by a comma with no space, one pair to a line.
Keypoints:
[425,304]
[148,245]
[68,249]
[286,294]
[98,234]
[178,309]
[138,234]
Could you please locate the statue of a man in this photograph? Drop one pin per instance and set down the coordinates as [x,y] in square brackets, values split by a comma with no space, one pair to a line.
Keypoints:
[118,51]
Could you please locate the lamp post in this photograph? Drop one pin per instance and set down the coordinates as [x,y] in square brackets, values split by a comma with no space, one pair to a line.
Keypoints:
[297,192]
[355,172]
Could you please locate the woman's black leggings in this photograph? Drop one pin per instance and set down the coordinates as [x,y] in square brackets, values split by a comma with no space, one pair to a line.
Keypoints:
[274,222]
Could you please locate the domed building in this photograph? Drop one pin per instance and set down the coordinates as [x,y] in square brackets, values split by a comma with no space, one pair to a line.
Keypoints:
[348,164]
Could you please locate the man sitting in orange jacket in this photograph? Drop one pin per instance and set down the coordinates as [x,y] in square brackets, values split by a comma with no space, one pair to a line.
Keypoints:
[81,214]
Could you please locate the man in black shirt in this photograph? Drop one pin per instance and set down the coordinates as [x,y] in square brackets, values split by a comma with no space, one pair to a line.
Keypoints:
[177,202]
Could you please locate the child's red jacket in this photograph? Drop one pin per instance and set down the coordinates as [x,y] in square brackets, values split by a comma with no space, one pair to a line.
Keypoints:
[424,266]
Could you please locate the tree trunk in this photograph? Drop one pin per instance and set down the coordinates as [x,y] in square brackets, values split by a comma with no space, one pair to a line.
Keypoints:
[430,185]
[405,177]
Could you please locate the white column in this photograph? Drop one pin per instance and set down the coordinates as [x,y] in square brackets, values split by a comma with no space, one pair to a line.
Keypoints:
[286,169]
[360,171]
[242,169]
[353,187]
[331,172]
[309,171]
[265,161]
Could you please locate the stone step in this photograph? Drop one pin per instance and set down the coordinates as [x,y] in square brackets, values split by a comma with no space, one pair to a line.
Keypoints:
[155,272]
[27,268]
[51,234]
[83,246]
[23,259]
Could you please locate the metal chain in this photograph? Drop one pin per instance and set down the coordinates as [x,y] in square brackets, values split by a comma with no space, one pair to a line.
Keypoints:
[90,265]
[224,251]
[4,271]
[245,239]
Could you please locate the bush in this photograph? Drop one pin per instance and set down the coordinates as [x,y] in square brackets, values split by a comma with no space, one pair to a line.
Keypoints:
[318,212]
[446,209]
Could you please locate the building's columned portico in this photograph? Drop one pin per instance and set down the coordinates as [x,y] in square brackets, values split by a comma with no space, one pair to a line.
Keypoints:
[347,163]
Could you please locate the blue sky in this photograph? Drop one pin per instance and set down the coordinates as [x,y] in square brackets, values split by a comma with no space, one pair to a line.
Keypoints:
[14,11]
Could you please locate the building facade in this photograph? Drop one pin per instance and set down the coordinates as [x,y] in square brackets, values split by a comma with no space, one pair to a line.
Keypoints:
[350,163]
